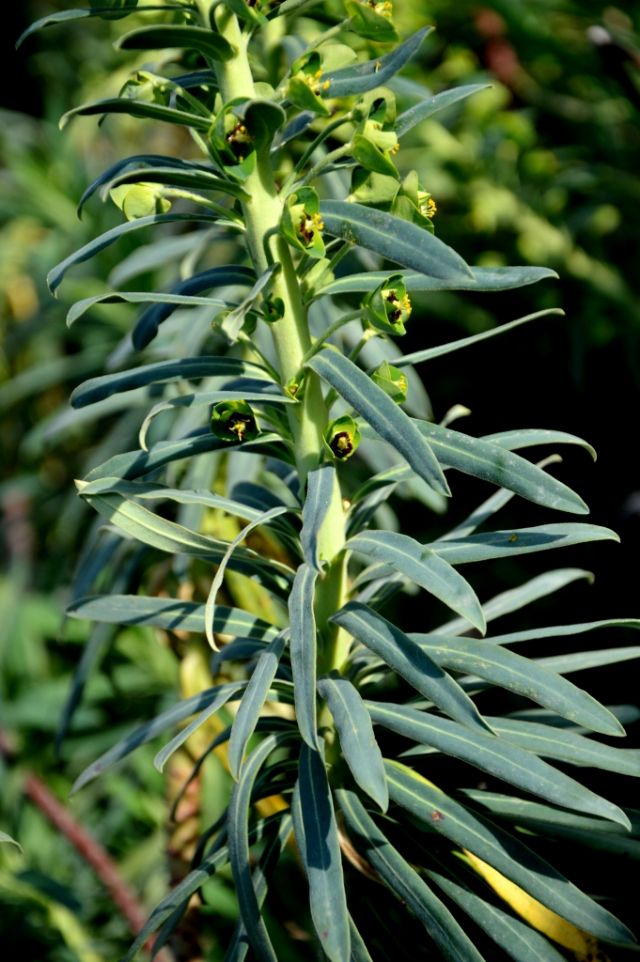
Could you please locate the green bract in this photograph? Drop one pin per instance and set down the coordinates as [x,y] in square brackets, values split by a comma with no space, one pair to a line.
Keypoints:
[278,282]
[342,437]
[389,306]
[234,421]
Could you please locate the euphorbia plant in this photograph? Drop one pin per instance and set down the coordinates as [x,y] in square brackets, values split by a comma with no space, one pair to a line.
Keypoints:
[300,422]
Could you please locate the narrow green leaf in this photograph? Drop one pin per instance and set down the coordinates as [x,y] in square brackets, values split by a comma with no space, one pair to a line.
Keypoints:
[516,598]
[234,319]
[405,883]
[7,838]
[56,274]
[142,109]
[509,670]
[583,660]
[359,951]
[567,747]
[172,614]
[492,462]
[303,651]
[61,16]
[320,851]
[410,660]
[481,279]
[531,437]
[140,297]
[166,719]
[178,740]
[172,175]
[321,485]
[178,897]
[496,756]
[520,941]
[505,544]
[423,567]
[161,372]
[416,357]
[398,240]
[150,491]
[357,740]
[362,77]
[135,464]
[504,852]
[426,108]
[150,320]
[563,631]
[252,702]
[159,36]
[226,560]
[141,164]
[239,848]
[384,416]
[546,821]
[239,946]
[149,528]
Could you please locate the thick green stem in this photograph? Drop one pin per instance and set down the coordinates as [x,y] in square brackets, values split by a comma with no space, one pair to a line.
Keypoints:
[292,340]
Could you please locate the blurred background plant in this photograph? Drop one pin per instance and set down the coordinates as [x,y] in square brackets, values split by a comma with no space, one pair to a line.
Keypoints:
[540,168]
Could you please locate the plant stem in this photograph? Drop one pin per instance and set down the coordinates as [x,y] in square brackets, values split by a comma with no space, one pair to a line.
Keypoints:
[292,339]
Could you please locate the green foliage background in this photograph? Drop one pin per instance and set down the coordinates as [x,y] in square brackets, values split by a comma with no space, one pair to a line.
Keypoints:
[540,169]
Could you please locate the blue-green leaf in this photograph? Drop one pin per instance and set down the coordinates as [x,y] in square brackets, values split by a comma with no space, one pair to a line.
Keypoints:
[505,853]
[239,848]
[426,108]
[515,598]
[385,417]
[423,567]
[97,388]
[321,485]
[562,631]
[505,544]
[142,163]
[173,614]
[159,36]
[150,320]
[303,651]
[398,240]
[357,740]
[416,357]
[178,740]
[149,528]
[61,16]
[480,279]
[520,941]
[503,667]
[252,702]
[531,437]
[140,297]
[410,660]
[405,883]
[568,747]
[496,756]
[226,560]
[56,274]
[362,77]
[320,851]
[142,109]
[492,462]
[166,719]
